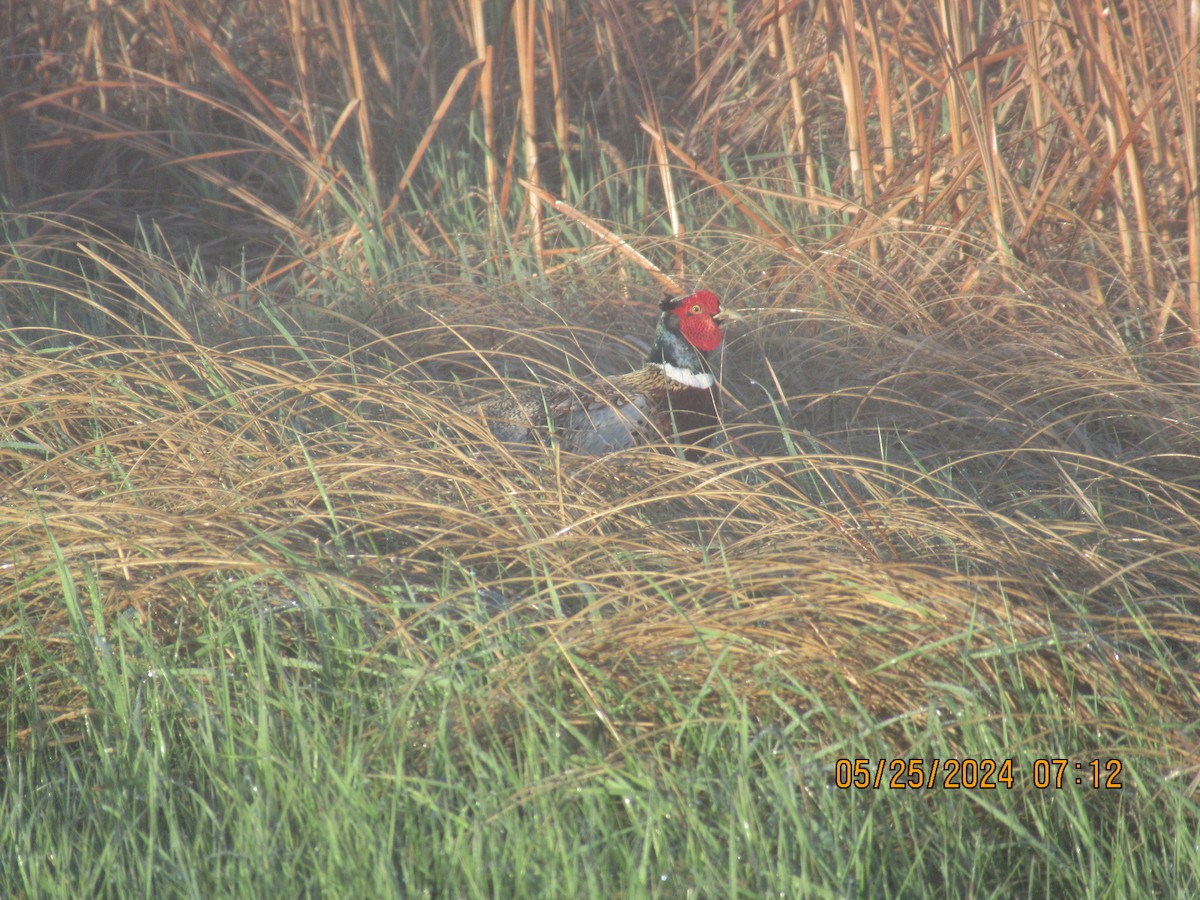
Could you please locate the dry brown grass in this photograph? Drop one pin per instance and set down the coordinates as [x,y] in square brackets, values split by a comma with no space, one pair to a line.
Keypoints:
[1059,134]
[259,260]
[955,439]
[897,508]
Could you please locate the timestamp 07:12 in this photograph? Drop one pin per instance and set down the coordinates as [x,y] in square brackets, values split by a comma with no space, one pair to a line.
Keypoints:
[984,773]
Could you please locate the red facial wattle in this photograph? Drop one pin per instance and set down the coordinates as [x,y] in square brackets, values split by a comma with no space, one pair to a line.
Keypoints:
[697,323]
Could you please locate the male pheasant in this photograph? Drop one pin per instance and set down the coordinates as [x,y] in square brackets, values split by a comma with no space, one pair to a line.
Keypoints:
[672,397]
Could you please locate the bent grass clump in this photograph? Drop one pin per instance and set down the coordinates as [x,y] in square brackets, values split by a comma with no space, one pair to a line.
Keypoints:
[986,521]
[969,549]
[277,612]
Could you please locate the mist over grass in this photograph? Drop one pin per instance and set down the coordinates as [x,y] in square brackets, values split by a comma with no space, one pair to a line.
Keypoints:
[278,614]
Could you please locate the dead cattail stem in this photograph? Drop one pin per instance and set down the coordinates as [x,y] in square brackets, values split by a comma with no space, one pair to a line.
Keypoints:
[299,59]
[743,205]
[978,108]
[841,22]
[620,245]
[485,54]
[663,163]
[434,123]
[1190,87]
[552,29]
[357,89]
[881,69]
[226,64]
[1085,121]
[783,21]
[949,39]
[1032,27]
[524,30]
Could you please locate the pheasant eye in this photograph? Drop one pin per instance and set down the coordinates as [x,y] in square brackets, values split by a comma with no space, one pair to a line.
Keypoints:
[696,309]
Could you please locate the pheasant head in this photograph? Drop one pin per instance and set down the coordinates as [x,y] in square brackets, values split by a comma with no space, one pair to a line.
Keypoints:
[688,328]
[673,396]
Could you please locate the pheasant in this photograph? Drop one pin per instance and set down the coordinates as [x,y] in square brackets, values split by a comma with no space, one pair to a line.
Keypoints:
[672,396]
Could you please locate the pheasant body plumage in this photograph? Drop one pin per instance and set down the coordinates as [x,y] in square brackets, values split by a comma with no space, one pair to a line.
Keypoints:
[673,396]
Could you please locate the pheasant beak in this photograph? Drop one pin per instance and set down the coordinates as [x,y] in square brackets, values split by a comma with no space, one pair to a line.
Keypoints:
[728,315]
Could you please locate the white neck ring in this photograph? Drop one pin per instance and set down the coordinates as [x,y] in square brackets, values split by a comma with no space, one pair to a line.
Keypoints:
[688,378]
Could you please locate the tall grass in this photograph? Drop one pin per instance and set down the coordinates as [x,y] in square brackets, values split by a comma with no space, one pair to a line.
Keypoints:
[278,613]
[304,572]
[1058,134]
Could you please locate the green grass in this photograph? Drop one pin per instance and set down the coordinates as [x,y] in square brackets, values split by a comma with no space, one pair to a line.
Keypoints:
[278,616]
[243,763]
[266,632]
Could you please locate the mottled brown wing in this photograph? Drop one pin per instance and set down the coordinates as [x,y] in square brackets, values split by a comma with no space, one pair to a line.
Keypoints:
[593,419]
[638,408]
